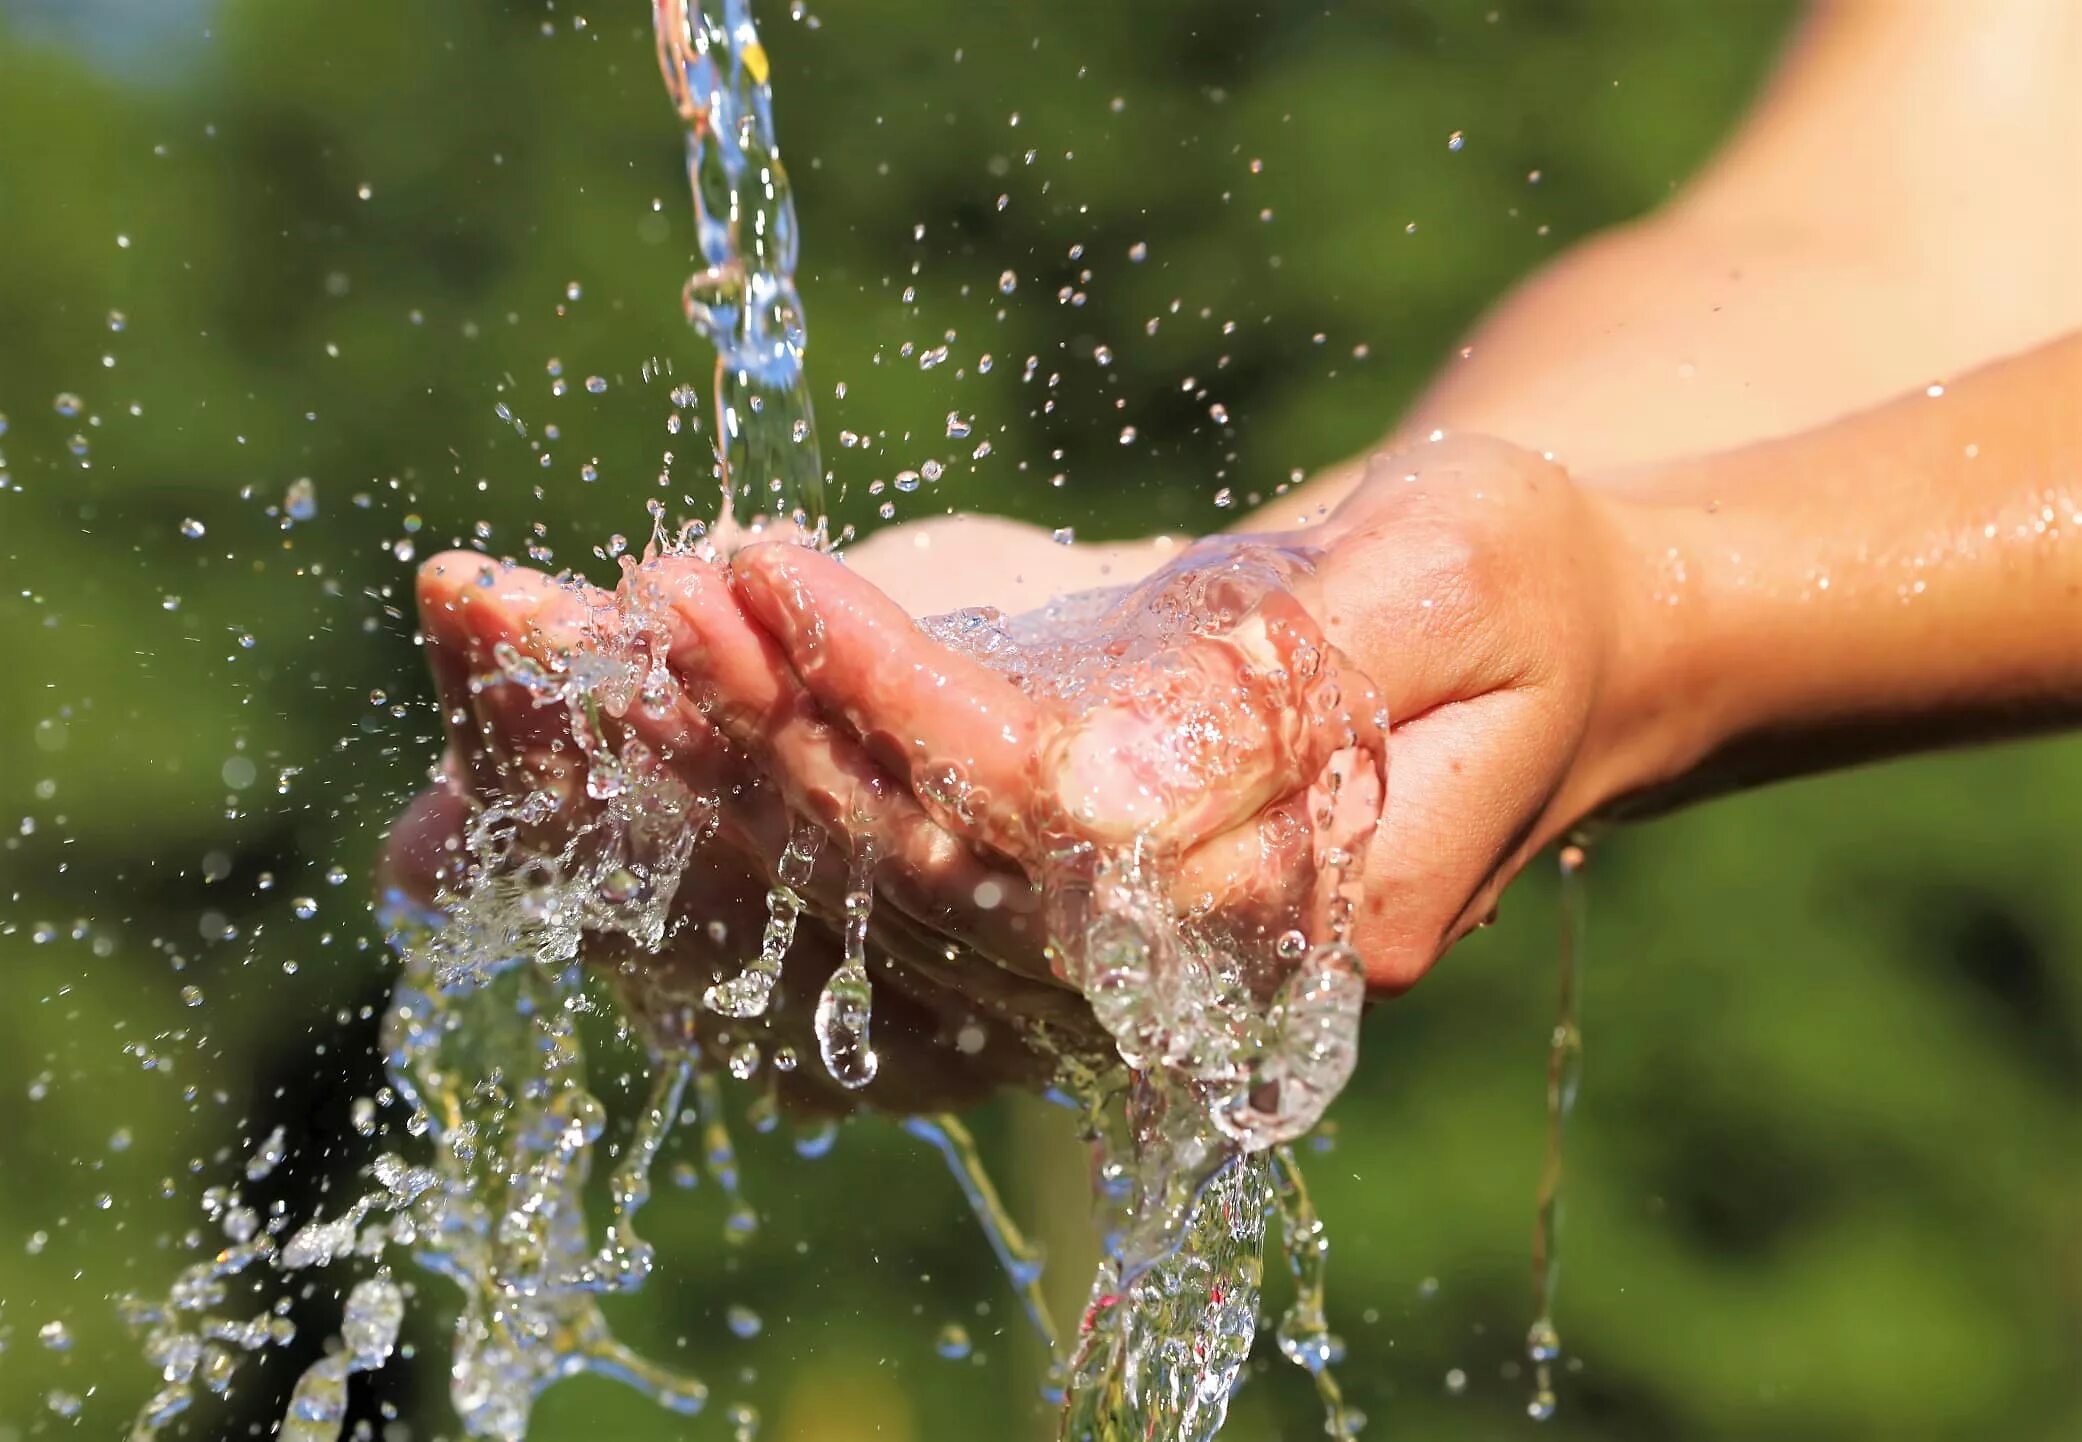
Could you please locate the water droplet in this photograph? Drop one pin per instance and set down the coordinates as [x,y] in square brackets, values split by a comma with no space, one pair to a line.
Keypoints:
[596,384]
[55,1336]
[67,404]
[1007,283]
[953,1342]
[300,501]
[743,1321]
[1456,140]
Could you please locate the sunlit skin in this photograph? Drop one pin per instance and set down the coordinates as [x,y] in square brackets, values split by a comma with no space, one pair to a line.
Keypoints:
[1794,484]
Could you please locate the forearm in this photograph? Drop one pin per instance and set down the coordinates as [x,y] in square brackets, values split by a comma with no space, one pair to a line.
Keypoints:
[1887,217]
[1901,579]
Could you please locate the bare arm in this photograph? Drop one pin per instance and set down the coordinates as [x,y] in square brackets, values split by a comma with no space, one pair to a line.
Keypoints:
[1900,208]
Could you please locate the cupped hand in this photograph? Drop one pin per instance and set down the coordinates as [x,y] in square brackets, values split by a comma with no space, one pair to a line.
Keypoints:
[567,693]
[1230,709]
[1197,728]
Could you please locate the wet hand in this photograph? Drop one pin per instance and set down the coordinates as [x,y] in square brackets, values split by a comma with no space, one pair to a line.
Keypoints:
[1230,709]
[1200,718]
[557,690]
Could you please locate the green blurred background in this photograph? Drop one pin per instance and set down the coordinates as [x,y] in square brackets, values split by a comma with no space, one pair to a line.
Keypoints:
[1826,1177]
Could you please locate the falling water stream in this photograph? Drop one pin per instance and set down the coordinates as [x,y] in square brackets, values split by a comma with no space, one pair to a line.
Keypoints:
[1222,1045]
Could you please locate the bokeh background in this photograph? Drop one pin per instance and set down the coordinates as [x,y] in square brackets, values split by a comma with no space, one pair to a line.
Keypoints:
[1826,1176]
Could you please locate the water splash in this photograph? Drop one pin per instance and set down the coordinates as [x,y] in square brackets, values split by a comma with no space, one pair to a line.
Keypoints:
[1235,1036]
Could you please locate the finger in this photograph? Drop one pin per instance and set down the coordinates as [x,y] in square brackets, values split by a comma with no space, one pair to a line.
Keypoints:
[962,736]
[1295,866]
[1456,824]
[496,699]
[423,851]
[744,680]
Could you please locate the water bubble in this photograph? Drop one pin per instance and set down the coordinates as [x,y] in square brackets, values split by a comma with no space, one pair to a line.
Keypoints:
[300,501]
[906,481]
[596,384]
[572,290]
[1456,1382]
[1102,355]
[744,1060]
[67,404]
[953,1342]
[55,1336]
[305,907]
[1456,140]
[743,1321]
[957,428]
[931,470]
[191,996]
[1127,435]
[1007,283]
[62,1402]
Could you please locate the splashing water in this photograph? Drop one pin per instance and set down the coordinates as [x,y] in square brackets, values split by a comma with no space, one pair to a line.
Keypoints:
[1234,1041]
[1227,1043]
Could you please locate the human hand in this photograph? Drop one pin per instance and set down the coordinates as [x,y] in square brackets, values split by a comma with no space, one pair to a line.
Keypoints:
[565,693]
[1467,588]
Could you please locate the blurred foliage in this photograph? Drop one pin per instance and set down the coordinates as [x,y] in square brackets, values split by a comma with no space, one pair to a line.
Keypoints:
[1825,1174]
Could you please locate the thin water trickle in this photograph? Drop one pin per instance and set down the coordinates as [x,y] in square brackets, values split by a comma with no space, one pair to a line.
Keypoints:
[1564,1072]
[845,1006]
[750,992]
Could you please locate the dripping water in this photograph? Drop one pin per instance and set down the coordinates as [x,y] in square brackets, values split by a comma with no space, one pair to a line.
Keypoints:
[1564,1071]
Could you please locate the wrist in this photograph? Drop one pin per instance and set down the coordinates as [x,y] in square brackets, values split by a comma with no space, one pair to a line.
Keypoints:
[1664,705]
